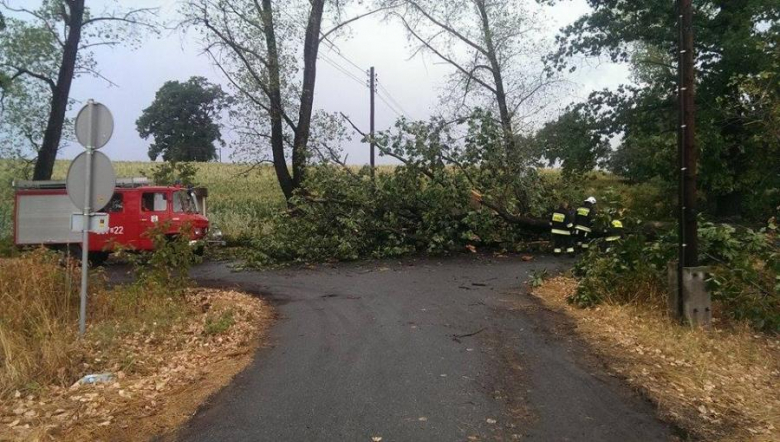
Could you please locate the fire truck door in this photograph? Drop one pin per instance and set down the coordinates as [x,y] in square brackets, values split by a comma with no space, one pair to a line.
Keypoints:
[154,210]
[123,227]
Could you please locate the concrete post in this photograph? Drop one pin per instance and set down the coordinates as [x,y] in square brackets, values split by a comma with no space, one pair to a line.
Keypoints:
[697,303]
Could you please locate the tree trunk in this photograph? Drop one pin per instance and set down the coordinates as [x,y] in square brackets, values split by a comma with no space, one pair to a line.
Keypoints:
[310,49]
[277,129]
[495,67]
[44,165]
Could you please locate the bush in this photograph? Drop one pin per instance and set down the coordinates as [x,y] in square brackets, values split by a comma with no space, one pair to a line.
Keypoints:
[746,272]
[168,265]
[632,271]
[744,282]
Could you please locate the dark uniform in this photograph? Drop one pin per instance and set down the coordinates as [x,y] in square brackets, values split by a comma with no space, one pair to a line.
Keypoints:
[561,224]
[583,223]
[614,234]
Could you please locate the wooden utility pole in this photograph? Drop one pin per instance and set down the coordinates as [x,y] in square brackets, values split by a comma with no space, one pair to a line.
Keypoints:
[372,86]
[687,153]
[691,152]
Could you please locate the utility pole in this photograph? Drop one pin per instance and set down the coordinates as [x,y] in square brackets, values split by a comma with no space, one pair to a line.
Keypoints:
[687,153]
[372,86]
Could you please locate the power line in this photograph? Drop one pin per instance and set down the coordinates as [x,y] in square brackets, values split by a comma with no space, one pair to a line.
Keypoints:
[343,70]
[395,102]
[338,52]
[389,106]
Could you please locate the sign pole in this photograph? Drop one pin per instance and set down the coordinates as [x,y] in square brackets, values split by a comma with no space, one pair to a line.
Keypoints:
[86,218]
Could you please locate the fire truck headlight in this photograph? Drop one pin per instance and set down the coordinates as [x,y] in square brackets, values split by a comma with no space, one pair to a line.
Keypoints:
[198,231]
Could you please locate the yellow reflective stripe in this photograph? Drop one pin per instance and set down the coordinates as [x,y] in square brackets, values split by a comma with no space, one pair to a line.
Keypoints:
[558,217]
[561,232]
[617,224]
[583,228]
[612,238]
[584,211]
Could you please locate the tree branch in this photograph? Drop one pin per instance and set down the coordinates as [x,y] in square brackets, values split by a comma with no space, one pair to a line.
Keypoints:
[352,20]
[23,71]
[449,29]
[445,58]
[128,17]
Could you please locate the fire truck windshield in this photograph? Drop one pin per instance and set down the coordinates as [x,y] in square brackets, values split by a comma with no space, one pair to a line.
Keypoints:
[184,202]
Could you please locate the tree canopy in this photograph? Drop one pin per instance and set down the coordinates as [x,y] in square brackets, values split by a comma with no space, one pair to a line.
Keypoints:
[182,120]
[43,50]
[736,94]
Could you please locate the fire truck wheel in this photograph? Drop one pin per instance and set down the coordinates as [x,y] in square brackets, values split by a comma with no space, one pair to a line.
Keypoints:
[199,250]
[98,258]
[95,258]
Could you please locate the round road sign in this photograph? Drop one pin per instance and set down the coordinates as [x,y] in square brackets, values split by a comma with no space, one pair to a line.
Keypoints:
[103,181]
[94,125]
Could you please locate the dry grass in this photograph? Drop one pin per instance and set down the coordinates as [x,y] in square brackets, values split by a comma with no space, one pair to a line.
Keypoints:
[718,385]
[162,376]
[37,340]
[39,319]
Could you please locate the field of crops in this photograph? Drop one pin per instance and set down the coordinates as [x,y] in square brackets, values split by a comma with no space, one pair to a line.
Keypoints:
[240,197]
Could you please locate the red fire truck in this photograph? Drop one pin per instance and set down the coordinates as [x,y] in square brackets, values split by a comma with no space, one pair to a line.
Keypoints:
[43,210]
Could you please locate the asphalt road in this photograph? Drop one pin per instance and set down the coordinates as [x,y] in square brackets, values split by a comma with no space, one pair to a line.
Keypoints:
[419,350]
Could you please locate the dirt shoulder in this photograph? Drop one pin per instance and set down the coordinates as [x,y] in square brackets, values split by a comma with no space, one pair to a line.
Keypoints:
[716,385]
[159,379]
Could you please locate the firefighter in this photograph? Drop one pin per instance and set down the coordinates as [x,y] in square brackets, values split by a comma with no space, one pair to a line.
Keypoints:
[560,227]
[583,222]
[614,234]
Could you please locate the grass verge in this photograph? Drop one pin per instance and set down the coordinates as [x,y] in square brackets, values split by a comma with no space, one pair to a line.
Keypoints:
[166,349]
[717,385]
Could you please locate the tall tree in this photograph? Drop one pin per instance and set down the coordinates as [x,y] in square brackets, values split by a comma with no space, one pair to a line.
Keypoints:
[494,49]
[48,47]
[575,140]
[181,120]
[268,51]
[736,43]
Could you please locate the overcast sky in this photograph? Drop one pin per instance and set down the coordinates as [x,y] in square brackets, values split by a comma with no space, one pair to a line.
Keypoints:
[414,84]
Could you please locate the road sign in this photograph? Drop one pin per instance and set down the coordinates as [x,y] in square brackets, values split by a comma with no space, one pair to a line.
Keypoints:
[94,125]
[102,176]
[91,182]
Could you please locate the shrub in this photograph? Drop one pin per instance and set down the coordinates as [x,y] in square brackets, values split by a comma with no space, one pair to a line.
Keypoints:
[744,280]
[167,266]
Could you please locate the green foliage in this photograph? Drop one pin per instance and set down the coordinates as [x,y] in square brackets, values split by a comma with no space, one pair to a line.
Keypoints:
[423,206]
[33,42]
[170,173]
[746,273]
[632,271]
[736,94]
[537,278]
[166,267]
[26,99]
[216,325]
[181,120]
[745,278]
[575,141]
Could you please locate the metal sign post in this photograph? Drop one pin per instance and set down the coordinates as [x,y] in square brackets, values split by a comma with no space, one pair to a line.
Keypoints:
[94,126]
[85,236]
